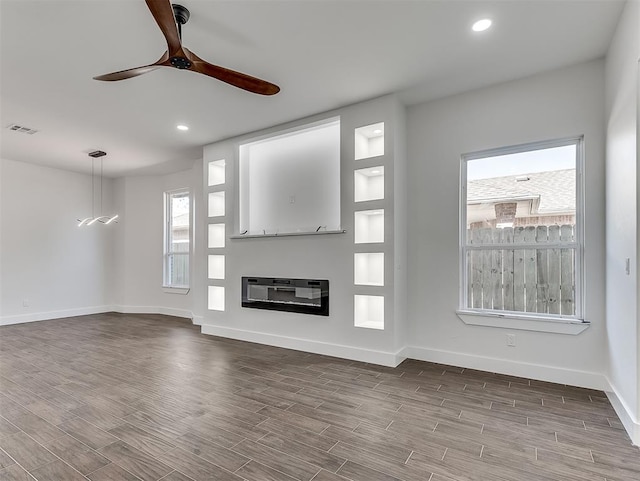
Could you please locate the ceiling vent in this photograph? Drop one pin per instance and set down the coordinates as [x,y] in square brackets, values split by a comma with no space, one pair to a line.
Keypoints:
[22,129]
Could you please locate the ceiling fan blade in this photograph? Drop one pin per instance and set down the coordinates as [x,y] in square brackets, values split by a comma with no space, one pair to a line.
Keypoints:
[237,79]
[125,74]
[134,72]
[162,11]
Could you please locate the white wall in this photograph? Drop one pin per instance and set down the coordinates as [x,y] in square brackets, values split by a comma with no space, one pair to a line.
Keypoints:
[139,246]
[1,237]
[59,269]
[622,218]
[62,270]
[328,256]
[561,103]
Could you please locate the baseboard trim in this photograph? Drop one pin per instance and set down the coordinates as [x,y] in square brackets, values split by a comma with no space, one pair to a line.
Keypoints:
[630,423]
[513,368]
[49,315]
[382,358]
[167,311]
[84,311]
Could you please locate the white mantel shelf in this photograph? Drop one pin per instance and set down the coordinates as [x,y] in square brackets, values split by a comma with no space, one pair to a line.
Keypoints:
[286,234]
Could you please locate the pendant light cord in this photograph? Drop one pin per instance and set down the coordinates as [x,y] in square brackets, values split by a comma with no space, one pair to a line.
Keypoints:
[93,189]
[101,186]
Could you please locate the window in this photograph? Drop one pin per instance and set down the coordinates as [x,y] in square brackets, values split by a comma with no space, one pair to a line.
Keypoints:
[177,237]
[521,231]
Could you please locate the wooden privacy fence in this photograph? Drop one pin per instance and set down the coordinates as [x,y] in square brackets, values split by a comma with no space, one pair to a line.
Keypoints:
[522,269]
[179,268]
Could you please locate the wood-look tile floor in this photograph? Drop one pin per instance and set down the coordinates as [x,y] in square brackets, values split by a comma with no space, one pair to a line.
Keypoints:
[115,397]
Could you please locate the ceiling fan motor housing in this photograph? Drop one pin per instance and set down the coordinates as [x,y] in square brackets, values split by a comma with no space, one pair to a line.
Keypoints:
[181,13]
[180,62]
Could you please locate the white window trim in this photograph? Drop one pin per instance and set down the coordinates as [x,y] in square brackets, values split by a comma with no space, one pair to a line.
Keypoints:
[176,290]
[558,325]
[525,320]
[166,287]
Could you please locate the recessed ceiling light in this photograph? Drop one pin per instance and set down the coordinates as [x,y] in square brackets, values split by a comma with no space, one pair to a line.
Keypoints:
[481,25]
[182,127]
[377,131]
[375,171]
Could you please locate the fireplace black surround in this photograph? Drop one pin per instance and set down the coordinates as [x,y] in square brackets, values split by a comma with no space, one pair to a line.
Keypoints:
[306,296]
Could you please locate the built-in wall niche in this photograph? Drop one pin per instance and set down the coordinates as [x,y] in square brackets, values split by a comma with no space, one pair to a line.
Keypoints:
[368,311]
[216,236]
[290,181]
[369,141]
[215,298]
[369,268]
[216,267]
[216,204]
[216,172]
[369,184]
[369,226]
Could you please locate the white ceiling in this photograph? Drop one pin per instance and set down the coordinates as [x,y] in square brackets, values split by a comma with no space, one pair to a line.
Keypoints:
[322,53]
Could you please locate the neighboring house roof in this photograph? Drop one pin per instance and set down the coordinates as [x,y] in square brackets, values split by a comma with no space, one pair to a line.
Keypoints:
[556,190]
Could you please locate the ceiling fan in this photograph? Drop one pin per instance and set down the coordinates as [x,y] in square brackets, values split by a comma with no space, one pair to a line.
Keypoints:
[170,19]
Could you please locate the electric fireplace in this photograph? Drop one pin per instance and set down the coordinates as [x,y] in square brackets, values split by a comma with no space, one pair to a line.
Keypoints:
[306,296]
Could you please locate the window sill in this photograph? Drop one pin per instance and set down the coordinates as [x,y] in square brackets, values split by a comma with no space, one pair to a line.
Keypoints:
[557,325]
[176,290]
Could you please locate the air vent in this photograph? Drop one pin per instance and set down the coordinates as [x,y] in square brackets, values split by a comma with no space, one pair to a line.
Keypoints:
[22,129]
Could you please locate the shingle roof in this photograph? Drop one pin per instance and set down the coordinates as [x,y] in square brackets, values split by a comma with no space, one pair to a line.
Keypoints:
[555,189]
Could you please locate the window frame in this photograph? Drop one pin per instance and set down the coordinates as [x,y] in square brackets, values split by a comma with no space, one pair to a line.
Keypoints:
[168,253]
[518,319]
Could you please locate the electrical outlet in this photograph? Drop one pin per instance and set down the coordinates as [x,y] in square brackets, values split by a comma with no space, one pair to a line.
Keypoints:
[292,199]
[25,302]
[511,340]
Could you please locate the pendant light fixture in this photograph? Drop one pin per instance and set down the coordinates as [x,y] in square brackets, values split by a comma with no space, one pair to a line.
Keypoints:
[102,219]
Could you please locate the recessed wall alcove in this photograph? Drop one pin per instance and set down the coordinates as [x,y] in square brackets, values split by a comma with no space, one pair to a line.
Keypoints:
[369,141]
[289,182]
[369,184]
[216,204]
[369,226]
